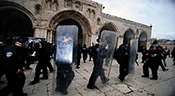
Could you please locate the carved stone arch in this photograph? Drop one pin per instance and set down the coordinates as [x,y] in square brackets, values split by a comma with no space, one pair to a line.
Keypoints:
[13,5]
[108,26]
[143,38]
[73,15]
[128,35]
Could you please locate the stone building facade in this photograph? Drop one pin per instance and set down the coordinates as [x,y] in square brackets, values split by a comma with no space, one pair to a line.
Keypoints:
[40,18]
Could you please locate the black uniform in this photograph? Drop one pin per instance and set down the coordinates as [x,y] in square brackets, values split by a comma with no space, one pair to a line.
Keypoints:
[153,61]
[1,69]
[12,60]
[32,47]
[43,60]
[90,50]
[78,56]
[122,57]
[50,51]
[143,55]
[173,55]
[99,55]
[146,65]
[84,51]
[163,56]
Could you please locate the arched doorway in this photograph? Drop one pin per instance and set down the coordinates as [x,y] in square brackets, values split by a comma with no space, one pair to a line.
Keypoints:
[128,36]
[15,20]
[142,41]
[110,27]
[13,23]
[72,17]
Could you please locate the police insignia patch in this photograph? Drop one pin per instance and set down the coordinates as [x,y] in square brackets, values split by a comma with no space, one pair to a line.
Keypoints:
[9,54]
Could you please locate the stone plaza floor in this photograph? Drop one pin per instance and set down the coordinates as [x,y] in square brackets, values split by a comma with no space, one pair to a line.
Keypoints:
[133,85]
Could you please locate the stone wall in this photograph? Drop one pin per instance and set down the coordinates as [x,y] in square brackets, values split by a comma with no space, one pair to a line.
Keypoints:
[45,15]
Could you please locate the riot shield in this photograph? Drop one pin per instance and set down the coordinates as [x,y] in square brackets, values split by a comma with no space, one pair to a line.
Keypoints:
[132,57]
[66,40]
[105,54]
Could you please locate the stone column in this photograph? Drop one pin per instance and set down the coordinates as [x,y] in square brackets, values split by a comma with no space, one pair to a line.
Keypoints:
[40,32]
[49,35]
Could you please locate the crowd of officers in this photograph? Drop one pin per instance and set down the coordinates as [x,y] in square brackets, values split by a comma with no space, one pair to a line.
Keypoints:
[17,53]
[155,57]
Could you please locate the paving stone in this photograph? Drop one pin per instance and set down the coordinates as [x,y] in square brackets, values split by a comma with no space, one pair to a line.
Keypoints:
[122,88]
[114,93]
[106,88]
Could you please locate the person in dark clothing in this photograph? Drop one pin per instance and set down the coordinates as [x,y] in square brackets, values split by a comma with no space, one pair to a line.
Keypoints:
[78,56]
[32,48]
[90,51]
[1,69]
[122,57]
[43,60]
[153,62]
[99,55]
[173,55]
[146,65]
[163,54]
[143,55]
[84,51]
[12,61]
[50,51]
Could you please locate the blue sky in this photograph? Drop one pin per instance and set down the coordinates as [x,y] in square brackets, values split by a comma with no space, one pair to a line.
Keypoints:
[159,13]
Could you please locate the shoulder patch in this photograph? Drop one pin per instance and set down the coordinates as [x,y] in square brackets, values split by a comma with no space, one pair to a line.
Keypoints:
[9,54]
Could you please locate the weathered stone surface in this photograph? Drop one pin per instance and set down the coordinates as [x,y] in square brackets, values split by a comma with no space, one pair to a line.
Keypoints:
[88,14]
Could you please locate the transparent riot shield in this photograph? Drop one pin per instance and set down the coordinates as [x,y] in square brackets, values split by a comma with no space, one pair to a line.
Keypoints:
[132,57]
[105,54]
[66,38]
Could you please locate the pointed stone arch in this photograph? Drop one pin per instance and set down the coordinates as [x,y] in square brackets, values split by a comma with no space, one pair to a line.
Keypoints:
[128,35]
[75,16]
[108,26]
[142,41]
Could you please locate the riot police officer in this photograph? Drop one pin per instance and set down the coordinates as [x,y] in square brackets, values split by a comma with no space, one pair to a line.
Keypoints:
[173,55]
[78,56]
[98,57]
[143,54]
[122,57]
[153,61]
[1,69]
[43,60]
[84,51]
[163,55]
[91,50]
[12,60]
